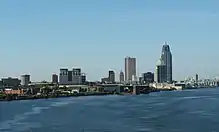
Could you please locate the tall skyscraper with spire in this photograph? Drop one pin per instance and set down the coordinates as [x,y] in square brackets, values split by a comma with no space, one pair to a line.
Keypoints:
[166,58]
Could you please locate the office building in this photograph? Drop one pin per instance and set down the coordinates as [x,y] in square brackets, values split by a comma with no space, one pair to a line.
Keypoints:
[105,80]
[10,82]
[70,77]
[148,77]
[196,78]
[166,58]
[121,77]
[25,80]
[111,76]
[1,84]
[161,75]
[83,78]
[63,77]
[130,68]
[76,76]
[55,79]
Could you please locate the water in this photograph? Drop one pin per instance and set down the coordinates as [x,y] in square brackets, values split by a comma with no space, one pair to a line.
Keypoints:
[177,111]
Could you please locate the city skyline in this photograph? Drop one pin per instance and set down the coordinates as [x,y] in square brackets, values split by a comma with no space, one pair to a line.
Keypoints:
[97,37]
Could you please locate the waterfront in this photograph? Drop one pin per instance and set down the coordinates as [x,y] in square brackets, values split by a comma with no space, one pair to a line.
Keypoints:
[177,111]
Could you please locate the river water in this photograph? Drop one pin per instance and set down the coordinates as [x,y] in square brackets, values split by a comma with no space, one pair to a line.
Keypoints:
[176,111]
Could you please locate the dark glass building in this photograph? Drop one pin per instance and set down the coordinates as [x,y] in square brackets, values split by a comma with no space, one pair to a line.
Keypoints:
[83,79]
[55,78]
[167,58]
[111,76]
[10,82]
[161,72]
[148,77]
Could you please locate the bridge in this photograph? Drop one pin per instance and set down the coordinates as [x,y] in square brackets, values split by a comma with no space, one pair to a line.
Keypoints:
[121,88]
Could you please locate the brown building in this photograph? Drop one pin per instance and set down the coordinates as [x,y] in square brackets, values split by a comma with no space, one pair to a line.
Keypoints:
[11,91]
[130,68]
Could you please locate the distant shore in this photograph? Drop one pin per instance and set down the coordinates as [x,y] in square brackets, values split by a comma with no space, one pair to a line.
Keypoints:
[9,97]
[35,97]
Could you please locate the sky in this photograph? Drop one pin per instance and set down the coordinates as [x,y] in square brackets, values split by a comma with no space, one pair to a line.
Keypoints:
[38,37]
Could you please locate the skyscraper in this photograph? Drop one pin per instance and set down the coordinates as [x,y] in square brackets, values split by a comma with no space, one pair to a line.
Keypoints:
[25,79]
[55,79]
[196,78]
[111,76]
[70,77]
[121,77]
[166,57]
[83,78]
[130,68]
[161,75]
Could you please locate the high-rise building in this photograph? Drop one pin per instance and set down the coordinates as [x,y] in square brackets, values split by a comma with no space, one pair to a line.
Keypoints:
[83,78]
[166,57]
[161,72]
[121,77]
[1,84]
[25,80]
[55,78]
[148,77]
[196,78]
[63,77]
[130,68]
[76,76]
[73,77]
[111,76]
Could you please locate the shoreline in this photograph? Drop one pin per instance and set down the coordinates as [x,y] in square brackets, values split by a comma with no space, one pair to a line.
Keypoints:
[8,98]
[35,97]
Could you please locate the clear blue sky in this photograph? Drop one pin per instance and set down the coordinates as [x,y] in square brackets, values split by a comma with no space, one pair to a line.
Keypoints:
[39,37]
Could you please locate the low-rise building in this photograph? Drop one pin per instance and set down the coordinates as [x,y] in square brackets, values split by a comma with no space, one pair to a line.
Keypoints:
[167,86]
[11,91]
[105,80]
[10,82]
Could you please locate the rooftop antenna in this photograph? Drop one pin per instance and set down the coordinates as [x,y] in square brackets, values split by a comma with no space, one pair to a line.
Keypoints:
[165,42]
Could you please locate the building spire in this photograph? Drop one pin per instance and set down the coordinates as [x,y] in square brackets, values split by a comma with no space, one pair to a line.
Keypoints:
[165,42]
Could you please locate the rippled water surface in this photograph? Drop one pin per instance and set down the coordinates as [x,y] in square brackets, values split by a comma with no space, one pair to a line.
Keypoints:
[177,111]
